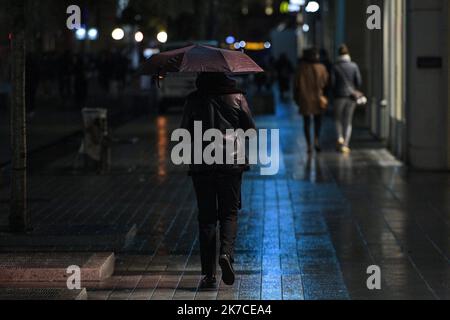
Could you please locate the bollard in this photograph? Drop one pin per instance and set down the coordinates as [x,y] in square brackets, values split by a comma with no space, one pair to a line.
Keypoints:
[96,146]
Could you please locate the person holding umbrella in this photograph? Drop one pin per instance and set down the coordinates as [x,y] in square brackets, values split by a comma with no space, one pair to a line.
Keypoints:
[218,104]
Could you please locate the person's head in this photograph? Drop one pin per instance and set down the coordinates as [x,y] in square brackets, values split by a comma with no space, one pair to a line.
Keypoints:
[311,55]
[343,50]
[211,81]
[324,54]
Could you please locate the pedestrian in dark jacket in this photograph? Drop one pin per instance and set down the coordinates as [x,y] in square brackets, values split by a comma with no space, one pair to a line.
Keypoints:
[346,78]
[218,104]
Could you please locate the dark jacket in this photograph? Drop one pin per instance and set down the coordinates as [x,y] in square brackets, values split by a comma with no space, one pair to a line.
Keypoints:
[218,104]
[344,67]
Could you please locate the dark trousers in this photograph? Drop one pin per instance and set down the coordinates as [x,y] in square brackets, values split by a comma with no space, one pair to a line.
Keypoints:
[317,127]
[218,198]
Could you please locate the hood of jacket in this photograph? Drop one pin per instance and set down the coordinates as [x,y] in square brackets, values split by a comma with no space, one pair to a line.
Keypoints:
[344,58]
[217,84]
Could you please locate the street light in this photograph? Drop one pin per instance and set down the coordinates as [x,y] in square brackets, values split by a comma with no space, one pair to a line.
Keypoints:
[148,52]
[230,40]
[138,36]
[312,7]
[162,37]
[298,2]
[118,34]
[92,34]
[80,34]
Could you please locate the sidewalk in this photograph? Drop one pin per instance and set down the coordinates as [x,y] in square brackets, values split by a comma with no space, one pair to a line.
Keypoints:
[310,232]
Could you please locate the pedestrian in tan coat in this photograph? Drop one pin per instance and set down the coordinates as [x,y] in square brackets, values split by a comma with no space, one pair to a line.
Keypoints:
[311,79]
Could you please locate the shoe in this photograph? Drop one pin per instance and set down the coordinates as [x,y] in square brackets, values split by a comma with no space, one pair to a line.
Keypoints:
[346,150]
[339,144]
[228,274]
[317,145]
[208,283]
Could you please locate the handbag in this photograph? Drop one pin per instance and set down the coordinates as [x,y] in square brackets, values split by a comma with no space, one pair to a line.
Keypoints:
[356,95]
[359,98]
[323,101]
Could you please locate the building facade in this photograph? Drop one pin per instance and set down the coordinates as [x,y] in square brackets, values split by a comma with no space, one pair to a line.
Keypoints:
[406,73]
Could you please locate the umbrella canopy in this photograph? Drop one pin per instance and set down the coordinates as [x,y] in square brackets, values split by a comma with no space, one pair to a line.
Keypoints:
[200,58]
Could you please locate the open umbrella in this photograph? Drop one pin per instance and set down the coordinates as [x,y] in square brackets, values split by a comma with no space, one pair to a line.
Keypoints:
[200,58]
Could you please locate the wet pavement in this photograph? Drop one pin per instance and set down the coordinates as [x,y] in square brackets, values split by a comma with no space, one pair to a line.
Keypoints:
[309,232]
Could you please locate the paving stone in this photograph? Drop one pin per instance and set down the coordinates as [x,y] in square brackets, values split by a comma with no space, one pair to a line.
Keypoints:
[187,287]
[52,267]
[42,294]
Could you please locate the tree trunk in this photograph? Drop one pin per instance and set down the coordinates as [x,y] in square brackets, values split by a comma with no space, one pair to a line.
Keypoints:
[19,221]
